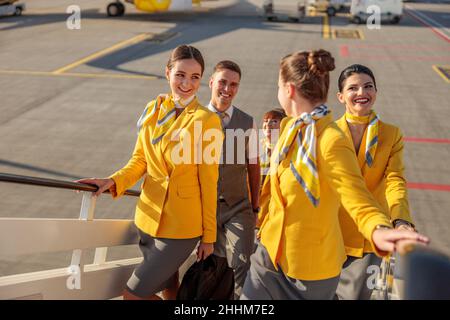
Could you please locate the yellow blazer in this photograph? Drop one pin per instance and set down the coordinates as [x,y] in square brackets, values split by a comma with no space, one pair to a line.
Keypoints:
[306,241]
[385,180]
[178,200]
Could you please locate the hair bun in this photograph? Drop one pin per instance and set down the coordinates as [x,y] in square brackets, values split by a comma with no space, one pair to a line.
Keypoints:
[320,62]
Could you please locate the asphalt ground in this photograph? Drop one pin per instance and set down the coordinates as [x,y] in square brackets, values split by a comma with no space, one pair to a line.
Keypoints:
[70,98]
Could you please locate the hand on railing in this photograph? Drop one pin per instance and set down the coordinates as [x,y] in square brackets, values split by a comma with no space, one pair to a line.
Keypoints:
[405,246]
[102,184]
[387,240]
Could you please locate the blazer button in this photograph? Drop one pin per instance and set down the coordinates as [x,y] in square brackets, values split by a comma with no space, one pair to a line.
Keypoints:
[167,178]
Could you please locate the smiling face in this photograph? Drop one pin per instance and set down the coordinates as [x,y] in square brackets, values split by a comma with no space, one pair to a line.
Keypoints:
[358,94]
[270,123]
[224,84]
[184,78]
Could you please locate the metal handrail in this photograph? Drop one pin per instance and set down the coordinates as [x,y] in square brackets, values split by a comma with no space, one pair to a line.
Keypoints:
[53,183]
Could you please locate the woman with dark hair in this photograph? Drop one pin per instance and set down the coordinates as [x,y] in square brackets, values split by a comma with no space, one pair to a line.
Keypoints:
[177,206]
[313,170]
[379,149]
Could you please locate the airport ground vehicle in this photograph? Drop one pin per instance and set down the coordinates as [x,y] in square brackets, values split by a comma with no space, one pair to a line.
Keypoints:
[284,9]
[10,8]
[331,7]
[390,10]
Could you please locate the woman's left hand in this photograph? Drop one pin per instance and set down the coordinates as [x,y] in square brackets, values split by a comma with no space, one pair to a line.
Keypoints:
[204,250]
[385,240]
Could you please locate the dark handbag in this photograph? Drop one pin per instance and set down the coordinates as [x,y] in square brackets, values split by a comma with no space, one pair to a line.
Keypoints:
[209,279]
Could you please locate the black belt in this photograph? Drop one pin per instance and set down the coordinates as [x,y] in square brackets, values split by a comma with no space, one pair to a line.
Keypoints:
[221,200]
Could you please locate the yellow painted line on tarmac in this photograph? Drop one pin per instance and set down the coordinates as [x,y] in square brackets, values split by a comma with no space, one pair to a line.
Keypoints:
[77,75]
[110,76]
[326,27]
[33,73]
[122,44]
[361,35]
[347,34]
[439,70]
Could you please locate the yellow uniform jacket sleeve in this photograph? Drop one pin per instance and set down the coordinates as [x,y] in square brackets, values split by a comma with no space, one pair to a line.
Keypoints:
[135,168]
[344,174]
[208,174]
[384,180]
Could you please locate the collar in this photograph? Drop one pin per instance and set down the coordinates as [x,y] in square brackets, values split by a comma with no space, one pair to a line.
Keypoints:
[321,124]
[229,111]
[181,104]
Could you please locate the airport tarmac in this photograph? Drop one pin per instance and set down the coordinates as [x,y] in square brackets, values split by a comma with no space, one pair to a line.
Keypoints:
[70,99]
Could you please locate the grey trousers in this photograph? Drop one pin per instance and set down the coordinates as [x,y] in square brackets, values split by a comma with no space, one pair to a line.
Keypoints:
[358,277]
[162,258]
[263,282]
[235,239]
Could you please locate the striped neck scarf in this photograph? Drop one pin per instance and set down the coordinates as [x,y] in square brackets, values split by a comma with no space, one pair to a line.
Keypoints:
[372,122]
[303,162]
[165,108]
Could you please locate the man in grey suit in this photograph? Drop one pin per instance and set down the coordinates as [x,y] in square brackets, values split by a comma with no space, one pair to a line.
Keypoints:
[239,174]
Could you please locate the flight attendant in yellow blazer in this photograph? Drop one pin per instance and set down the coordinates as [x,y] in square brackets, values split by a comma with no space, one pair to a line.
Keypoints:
[177,206]
[379,149]
[313,169]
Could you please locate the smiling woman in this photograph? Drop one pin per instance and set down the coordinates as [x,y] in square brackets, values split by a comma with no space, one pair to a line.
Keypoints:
[184,78]
[177,206]
[379,149]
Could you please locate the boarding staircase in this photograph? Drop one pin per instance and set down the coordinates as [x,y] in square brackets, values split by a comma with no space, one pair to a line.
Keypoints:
[419,274]
[99,279]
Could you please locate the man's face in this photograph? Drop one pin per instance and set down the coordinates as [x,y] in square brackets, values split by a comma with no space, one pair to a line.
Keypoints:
[224,86]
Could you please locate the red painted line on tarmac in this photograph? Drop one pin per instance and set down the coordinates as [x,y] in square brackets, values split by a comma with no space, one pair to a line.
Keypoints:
[344,51]
[426,140]
[422,48]
[436,31]
[428,186]
[402,57]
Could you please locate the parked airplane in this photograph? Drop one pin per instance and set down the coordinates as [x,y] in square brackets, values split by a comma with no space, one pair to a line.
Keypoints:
[117,8]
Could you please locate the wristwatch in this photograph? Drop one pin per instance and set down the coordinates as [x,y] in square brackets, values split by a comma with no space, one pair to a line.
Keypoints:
[398,222]
[256,210]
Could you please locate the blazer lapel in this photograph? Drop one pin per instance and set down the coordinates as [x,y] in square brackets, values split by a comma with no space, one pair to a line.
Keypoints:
[362,152]
[342,123]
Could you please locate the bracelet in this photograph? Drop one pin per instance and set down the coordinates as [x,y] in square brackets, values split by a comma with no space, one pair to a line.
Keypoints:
[382,226]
